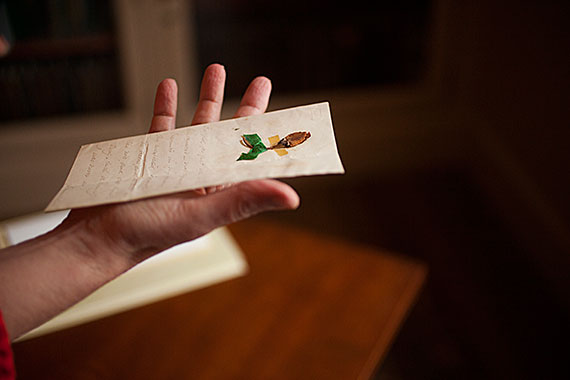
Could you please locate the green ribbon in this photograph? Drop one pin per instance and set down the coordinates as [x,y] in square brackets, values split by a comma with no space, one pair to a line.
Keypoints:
[257,145]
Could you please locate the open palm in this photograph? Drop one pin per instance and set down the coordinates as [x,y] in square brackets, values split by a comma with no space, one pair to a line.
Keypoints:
[145,227]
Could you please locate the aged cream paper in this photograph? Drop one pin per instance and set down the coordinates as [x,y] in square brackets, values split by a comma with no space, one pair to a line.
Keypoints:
[198,156]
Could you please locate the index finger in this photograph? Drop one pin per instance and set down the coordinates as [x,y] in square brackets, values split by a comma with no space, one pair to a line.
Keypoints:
[256,98]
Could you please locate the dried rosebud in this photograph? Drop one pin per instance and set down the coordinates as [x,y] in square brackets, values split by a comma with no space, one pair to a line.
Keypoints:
[292,140]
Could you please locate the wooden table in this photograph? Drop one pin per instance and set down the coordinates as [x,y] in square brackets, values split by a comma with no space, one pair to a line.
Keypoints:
[312,307]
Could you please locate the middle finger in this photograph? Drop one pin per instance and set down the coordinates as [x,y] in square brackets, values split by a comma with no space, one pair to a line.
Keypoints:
[211,95]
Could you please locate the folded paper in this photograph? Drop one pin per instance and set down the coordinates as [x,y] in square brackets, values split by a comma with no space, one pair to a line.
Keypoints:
[198,156]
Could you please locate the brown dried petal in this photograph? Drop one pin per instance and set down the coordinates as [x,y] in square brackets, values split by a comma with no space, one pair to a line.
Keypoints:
[292,139]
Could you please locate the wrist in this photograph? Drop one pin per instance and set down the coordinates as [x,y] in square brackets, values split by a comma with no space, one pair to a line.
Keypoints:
[85,240]
[44,276]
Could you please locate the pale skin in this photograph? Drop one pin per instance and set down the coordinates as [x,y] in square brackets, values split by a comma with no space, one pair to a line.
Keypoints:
[44,276]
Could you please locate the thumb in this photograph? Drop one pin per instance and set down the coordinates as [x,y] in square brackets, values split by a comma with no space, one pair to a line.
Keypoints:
[241,201]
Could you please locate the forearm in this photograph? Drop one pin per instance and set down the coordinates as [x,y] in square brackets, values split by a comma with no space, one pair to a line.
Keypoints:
[44,276]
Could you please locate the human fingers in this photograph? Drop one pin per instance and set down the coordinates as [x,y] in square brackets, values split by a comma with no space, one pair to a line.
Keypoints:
[211,95]
[256,98]
[165,103]
[254,101]
[240,201]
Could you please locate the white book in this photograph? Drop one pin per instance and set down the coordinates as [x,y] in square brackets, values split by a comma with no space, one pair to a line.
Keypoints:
[205,261]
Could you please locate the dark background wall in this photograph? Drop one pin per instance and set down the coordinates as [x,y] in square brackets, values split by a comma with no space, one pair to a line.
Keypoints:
[490,215]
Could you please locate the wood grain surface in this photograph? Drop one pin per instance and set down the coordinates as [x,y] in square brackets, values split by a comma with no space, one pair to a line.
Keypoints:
[311,307]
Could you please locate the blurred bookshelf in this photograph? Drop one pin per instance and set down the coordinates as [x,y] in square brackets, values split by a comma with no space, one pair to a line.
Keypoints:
[64,60]
[67,83]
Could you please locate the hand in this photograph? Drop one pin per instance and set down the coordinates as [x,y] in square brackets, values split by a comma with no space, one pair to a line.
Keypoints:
[142,228]
[43,276]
